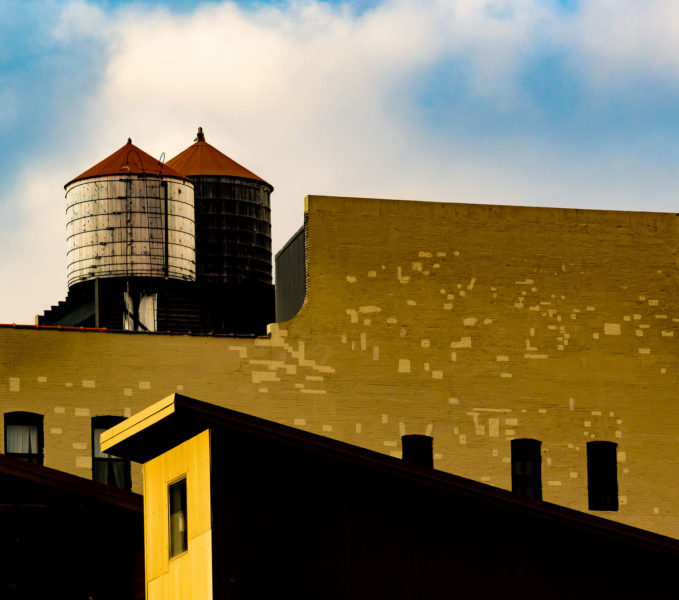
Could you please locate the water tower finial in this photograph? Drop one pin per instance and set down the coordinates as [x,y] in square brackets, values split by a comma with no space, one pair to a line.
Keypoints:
[200,137]
[129,140]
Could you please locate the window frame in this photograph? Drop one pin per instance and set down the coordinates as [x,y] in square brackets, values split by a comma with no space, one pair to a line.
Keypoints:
[27,419]
[602,476]
[522,449]
[184,546]
[104,422]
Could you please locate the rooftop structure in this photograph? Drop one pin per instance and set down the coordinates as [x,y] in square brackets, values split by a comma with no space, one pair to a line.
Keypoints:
[128,160]
[62,536]
[130,216]
[147,253]
[233,219]
[239,507]
[202,158]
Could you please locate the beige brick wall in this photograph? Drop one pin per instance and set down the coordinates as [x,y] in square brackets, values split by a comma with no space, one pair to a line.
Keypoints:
[474,324]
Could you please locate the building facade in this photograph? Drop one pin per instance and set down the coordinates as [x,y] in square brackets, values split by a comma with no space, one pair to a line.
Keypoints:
[476,325]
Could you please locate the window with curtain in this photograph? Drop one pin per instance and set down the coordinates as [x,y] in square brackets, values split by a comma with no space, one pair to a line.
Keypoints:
[107,468]
[24,436]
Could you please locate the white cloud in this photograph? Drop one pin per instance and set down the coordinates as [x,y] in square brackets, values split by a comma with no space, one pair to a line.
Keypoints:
[309,96]
[621,37]
[316,99]
[32,246]
[80,20]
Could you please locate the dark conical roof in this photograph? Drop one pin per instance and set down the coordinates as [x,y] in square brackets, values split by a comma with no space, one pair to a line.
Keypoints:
[128,160]
[203,159]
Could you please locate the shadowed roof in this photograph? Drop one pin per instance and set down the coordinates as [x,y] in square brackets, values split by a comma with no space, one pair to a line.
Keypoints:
[28,483]
[203,159]
[175,419]
[126,161]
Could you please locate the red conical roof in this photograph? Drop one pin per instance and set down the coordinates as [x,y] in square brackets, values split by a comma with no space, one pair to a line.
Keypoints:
[128,160]
[203,159]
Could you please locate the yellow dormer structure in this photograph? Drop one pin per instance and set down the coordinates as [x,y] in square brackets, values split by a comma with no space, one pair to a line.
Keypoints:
[176,484]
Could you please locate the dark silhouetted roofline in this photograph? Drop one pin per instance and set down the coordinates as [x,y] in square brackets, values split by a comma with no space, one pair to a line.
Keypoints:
[177,418]
[23,469]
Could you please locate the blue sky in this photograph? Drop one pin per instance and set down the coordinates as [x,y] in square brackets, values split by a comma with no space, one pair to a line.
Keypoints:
[534,102]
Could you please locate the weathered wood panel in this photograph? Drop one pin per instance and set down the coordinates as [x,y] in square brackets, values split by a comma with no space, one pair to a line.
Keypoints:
[117,226]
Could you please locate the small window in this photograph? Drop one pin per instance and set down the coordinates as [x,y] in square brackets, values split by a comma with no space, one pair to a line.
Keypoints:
[527,468]
[418,449]
[107,468]
[602,475]
[24,436]
[178,521]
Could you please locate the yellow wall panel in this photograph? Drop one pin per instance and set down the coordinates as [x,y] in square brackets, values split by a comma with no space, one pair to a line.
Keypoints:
[165,575]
